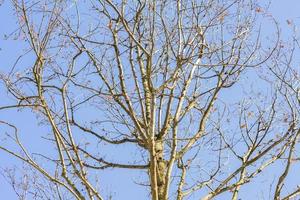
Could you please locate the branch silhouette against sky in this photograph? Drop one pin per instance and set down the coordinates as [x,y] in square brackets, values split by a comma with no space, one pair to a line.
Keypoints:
[158,100]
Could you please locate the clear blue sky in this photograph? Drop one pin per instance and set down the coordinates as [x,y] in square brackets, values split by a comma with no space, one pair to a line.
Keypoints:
[282,10]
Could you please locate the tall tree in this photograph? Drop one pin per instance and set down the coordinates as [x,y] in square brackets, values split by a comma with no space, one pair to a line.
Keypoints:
[158,77]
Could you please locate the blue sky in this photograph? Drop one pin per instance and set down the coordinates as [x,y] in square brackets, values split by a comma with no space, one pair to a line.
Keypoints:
[282,10]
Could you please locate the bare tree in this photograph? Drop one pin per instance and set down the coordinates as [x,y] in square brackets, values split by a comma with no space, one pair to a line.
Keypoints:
[155,76]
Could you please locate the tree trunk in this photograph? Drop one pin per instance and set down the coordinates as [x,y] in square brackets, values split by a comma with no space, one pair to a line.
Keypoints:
[157,172]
